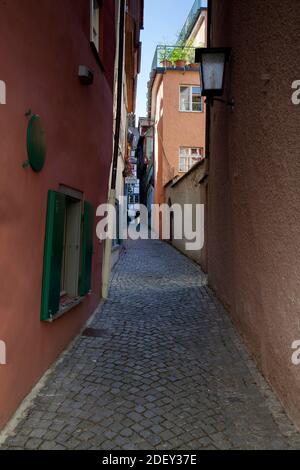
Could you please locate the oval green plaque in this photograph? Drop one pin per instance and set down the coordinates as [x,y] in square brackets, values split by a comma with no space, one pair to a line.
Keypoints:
[36,143]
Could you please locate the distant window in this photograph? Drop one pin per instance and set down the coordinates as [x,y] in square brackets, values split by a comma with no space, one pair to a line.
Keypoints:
[95,24]
[133,199]
[190,98]
[188,157]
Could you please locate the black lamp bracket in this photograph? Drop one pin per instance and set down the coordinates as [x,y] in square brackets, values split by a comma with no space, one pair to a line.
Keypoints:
[230,102]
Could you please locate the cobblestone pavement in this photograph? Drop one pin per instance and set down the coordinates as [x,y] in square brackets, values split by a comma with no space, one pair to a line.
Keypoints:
[167,371]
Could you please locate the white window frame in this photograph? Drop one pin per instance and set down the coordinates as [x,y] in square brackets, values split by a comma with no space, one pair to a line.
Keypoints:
[95,23]
[189,158]
[190,87]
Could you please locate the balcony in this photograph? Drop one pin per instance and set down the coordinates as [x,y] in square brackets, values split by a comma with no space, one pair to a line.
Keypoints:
[174,57]
[191,19]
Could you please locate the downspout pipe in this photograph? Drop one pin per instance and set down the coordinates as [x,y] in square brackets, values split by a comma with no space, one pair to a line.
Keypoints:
[119,93]
[207,134]
[208,102]
[112,191]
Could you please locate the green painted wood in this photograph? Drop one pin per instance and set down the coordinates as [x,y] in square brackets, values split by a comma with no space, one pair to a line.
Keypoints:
[86,250]
[36,143]
[53,253]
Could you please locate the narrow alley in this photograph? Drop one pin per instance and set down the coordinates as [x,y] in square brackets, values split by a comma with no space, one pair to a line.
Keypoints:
[160,367]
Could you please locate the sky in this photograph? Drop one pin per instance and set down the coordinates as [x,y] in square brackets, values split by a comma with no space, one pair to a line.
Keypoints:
[163,20]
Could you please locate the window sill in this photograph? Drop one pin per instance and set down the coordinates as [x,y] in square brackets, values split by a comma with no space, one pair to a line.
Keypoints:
[197,112]
[66,308]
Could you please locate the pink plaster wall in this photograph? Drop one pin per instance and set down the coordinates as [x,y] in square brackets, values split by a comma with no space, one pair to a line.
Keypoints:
[181,129]
[178,129]
[254,191]
[42,44]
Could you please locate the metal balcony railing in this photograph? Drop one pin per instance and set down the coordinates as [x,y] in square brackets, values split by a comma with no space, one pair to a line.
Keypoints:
[173,57]
[191,19]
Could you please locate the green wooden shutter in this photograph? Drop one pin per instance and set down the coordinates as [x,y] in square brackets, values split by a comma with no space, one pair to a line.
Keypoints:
[53,252]
[86,250]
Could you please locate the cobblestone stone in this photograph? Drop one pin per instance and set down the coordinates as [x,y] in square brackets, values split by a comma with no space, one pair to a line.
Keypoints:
[168,371]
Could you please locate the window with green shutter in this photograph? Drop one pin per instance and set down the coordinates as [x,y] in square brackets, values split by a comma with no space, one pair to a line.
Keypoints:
[67,254]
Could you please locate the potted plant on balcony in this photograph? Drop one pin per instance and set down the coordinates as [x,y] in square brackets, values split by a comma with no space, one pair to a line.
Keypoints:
[164,57]
[179,56]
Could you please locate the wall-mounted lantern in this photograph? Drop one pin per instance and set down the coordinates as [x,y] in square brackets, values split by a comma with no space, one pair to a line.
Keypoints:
[212,71]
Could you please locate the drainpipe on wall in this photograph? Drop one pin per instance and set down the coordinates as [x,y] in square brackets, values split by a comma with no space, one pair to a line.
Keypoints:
[207,136]
[208,104]
[112,191]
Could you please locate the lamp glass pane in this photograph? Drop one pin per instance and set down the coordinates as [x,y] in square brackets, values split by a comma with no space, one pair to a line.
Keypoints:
[213,70]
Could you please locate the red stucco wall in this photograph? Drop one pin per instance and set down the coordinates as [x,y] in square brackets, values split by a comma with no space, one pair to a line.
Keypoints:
[254,195]
[42,44]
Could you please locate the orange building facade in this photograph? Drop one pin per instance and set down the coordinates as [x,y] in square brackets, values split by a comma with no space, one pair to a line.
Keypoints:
[176,107]
[179,134]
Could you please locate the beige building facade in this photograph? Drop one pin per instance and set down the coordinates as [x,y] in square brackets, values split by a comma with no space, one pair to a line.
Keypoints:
[191,188]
